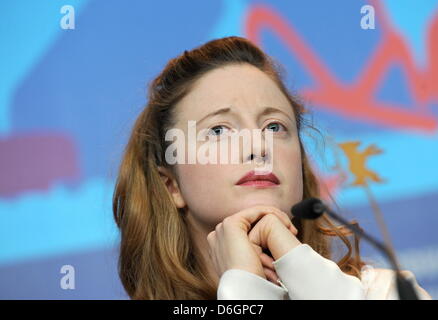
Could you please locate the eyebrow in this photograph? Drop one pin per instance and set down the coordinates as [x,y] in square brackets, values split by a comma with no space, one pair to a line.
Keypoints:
[266,111]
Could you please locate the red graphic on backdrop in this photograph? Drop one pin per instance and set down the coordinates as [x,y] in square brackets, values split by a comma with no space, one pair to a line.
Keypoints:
[356,100]
[35,161]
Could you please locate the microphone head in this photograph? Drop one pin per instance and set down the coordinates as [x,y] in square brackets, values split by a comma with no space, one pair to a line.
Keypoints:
[311,208]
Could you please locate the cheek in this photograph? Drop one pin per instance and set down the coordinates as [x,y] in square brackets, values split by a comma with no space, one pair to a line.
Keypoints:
[199,176]
[288,161]
[204,187]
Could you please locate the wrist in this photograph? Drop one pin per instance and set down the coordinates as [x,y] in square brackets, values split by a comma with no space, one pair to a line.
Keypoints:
[283,245]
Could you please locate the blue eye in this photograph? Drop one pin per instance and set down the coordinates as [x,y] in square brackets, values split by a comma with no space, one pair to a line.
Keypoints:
[215,131]
[276,125]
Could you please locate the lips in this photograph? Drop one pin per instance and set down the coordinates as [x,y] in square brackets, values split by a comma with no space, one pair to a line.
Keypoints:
[253,179]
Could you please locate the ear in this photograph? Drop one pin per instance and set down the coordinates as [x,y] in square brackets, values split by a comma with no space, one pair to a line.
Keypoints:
[172,186]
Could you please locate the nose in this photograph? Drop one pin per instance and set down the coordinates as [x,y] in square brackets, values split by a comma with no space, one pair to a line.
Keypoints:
[258,158]
[257,150]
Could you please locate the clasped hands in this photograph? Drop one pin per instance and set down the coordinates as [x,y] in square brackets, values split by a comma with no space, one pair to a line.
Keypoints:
[239,241]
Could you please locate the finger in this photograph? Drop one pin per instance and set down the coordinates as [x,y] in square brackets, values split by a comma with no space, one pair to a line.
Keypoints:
[253,214]
[271,275]
[257,249]
[282,216]
[285,219]
[211,237]
[211,240]
[257,234]
[267,261]
[293,229]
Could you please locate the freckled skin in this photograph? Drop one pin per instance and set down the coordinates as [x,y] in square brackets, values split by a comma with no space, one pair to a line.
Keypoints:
[208,191]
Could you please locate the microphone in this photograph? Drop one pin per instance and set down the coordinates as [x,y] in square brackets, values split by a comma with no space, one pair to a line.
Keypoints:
[313,208]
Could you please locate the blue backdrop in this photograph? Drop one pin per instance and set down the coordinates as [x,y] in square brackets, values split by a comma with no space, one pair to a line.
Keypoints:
[68,98]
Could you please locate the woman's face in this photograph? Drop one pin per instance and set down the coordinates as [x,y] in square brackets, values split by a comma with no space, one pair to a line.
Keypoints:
[209,191]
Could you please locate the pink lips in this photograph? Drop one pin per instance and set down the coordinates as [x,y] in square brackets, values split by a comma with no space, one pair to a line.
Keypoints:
[258,180]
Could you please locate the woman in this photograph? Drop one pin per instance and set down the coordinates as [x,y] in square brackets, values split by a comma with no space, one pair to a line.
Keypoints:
[207,230]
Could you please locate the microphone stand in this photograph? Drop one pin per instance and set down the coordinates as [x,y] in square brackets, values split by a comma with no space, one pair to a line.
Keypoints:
[405,289]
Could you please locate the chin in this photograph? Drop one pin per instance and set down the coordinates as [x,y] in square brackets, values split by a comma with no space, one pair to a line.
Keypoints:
[261,200]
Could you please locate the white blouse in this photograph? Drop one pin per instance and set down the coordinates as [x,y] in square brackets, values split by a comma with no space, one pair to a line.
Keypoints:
[306,275]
